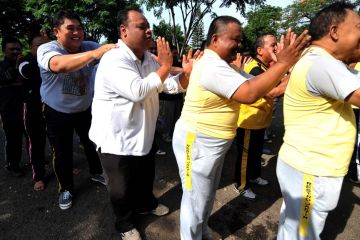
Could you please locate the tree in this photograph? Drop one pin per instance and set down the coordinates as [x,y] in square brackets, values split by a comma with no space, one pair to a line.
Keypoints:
[298,15]
[198,36]
[14,19]
[98,16]
[192,12]
[165,30]
[260,21]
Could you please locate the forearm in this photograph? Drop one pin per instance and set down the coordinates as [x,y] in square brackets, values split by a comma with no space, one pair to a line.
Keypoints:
[71,62]
[257,87]
[268,80]
[279,90]
[184,80]
[163,72]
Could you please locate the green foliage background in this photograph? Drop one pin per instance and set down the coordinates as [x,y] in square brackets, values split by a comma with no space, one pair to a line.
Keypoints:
[20,17]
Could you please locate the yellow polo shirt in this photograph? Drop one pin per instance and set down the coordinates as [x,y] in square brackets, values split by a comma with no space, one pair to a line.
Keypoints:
[257,115]
[206,111]
[319,130]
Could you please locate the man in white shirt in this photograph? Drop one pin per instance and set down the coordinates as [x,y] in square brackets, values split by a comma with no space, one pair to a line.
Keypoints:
[125,108]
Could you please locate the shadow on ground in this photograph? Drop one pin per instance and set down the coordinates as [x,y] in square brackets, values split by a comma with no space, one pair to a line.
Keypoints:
[30,215]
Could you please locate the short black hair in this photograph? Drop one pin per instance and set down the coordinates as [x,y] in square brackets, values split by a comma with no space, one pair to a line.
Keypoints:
[60,16]
[32,36]
[332,14]
[9,39]
[123,15]
[218,25]
[260,40]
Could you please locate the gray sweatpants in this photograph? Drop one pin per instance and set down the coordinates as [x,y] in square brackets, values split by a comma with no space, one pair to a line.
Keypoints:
[307,201]
[200,159]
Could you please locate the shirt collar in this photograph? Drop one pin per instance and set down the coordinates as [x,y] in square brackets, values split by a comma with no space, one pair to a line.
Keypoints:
[261,63]
[147,55]
[211,53]
[317,50]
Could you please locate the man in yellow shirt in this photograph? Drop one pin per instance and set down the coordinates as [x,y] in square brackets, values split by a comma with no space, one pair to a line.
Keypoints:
[207,124]
[354,167]
[253,120]
[319,123]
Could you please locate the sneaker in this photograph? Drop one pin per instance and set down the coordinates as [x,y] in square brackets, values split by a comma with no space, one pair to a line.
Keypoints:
[14,171]
[133,234]
[65,200]
[159,211]
[160,152]
[98,178]
[248,194]
[260,181]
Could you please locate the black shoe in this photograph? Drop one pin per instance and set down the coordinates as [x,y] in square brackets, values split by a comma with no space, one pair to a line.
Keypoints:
[14,171]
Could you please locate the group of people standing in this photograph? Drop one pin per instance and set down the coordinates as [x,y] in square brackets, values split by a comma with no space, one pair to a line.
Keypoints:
[116,118]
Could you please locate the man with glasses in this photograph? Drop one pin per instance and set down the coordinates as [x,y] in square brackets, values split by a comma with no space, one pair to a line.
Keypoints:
[66,65]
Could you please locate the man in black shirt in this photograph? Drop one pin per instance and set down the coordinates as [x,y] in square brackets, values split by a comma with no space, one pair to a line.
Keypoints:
[11,105]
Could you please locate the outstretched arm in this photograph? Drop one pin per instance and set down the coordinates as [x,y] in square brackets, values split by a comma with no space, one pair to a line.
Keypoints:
[257,87]
[74,62]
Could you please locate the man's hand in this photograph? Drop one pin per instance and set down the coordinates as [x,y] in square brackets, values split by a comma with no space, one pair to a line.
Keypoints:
[164,56]
[293,47]
[241,61]
[189,59]
[99,52]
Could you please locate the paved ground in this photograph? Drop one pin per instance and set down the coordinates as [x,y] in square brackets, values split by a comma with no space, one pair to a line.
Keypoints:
[26,214]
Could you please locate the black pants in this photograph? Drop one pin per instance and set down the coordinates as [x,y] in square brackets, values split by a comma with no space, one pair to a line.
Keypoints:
[130,186]
[60,130]
[12,120]
[34,123]
[248,163]
[169,113]
[353,174]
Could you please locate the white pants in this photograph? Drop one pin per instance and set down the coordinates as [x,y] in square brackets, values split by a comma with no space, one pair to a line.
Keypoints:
[200,159]
[307,201]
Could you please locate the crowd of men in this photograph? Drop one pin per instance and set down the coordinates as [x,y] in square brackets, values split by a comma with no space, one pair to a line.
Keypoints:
[109,95]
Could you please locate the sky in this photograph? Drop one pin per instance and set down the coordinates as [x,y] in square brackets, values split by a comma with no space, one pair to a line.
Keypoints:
[219,11]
